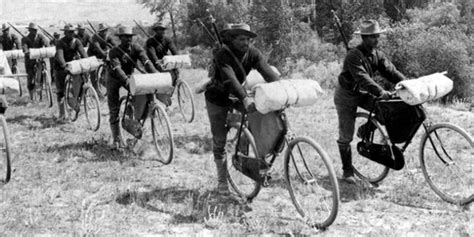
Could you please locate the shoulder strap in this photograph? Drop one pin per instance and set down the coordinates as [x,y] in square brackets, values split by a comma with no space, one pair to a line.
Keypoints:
[367,63]
[236,60]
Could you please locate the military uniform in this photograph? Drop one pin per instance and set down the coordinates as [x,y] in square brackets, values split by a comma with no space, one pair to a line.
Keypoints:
[9,42]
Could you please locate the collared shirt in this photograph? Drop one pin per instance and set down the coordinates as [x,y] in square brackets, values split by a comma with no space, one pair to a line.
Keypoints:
[99,46]
[157,48]
[229,77]
[32,42]
[67,50]
[123,61]
[9,41]
[359,69]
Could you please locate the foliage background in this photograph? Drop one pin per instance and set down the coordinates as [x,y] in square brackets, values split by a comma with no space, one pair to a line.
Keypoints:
[300,37]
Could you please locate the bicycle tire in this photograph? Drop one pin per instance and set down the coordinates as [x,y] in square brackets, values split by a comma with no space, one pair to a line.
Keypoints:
[365,168]
[47,87]
[160,123]
[125,136]
[458,146]
[91,103]
[69,94]
[5,163]
[15,71]
[101,84]
[185,107]
[244,186]
[317,171]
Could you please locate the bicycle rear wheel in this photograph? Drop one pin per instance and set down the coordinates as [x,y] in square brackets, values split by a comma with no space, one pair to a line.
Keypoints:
[366,169]
[47,90]
[100,77]
[446,158]
[91,108]
[69,96]
[162,135]
[5,165]
[185,101]
[312,182]
[244,186]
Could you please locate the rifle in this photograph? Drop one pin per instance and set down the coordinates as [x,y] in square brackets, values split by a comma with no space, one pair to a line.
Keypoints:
[207,30]
[46,33]
[16,30]
[214,27]
[91,26]
[141,28]
[339,27]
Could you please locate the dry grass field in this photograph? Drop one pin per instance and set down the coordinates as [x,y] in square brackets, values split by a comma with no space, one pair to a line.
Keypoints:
[69,180]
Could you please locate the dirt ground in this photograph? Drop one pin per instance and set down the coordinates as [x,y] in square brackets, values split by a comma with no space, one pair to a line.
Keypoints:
[68,180]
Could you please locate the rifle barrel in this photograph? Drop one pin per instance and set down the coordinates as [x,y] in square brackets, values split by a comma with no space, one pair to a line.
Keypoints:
[16,30]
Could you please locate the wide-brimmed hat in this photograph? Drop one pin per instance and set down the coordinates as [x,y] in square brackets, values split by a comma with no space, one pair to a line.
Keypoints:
[32,26]
[124,30]
[370,27]
[56,35]
[102,27]
[68,27]
[158,26]
[5,27]
[80,27]
[226,28]
[241,29]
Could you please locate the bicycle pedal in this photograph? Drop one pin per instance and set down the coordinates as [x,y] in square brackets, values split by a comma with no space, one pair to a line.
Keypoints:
[266,180]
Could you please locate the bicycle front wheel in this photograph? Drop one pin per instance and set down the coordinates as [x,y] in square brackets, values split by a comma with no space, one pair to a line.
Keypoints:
[91,108]
[162,135]
[47,90]
[446,158]
[100,77]
[365,168]
[69,98]
[5,165]
[185,101]
[312,182]
[244,186]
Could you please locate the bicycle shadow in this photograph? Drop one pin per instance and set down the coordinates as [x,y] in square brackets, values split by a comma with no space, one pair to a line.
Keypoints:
[91,151]
[360,190]
[194,144]
[35,122]
[186,205]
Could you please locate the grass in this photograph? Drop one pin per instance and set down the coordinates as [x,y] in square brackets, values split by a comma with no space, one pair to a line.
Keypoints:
[68,180]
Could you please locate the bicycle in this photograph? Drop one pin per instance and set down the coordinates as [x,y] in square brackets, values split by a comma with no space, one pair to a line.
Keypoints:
[309,182]
[442,146]
[43,81]
[5,152]
[100,77]
[88,95]
[133,121]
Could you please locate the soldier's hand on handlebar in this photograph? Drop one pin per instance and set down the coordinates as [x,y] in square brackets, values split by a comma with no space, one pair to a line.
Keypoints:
[249,105]
[384,95]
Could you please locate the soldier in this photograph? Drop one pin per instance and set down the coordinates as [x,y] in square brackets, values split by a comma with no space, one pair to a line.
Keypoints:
[123,60]
[67,48]
[233,62]
[32,40]
[53,42]
[356,87]
[83,36]
[9,42]
[100,44]
[157,47]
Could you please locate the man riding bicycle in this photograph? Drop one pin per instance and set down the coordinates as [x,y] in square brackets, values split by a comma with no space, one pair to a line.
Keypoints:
[32,40]
[233,63]
[123,60]
[357,88]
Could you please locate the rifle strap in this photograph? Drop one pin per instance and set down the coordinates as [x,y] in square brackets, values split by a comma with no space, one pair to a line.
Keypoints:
[239,63]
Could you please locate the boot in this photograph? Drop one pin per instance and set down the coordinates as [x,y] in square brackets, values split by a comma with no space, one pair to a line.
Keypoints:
[222,186]
[346,158]
[32,95]
[116,136]
[62,110]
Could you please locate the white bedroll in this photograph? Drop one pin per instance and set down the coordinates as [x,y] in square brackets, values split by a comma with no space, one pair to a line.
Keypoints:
[160,82]
[422,89]
[14,54]
[281,94]
[84,65]
[254,78]
[8,85]
[176,61]
[48,52]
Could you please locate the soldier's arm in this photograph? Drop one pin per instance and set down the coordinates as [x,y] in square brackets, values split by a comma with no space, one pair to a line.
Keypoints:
[60,55]
[388,70]
[150,50]
[81,50]
[263,67]
[224,65]
[17,41]
[355,65]
[116,66]
[172,47]
[145,60]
